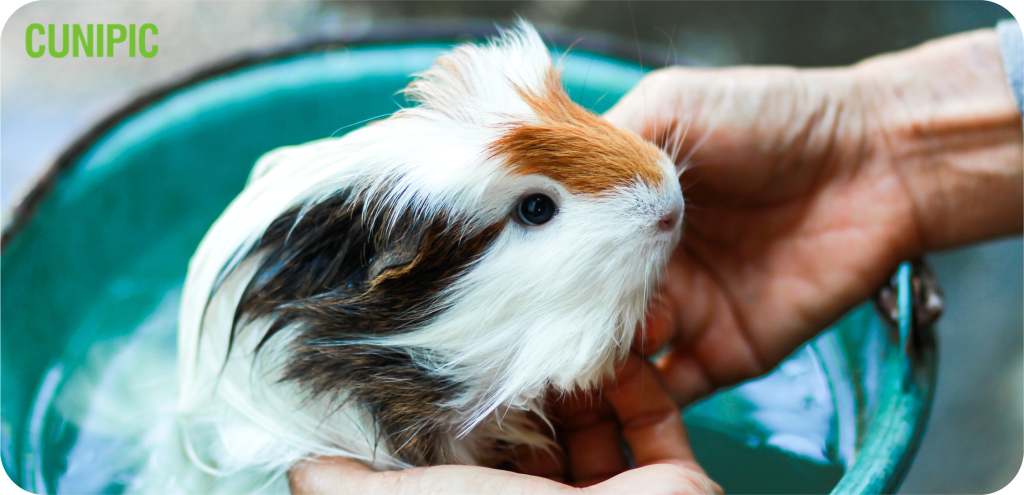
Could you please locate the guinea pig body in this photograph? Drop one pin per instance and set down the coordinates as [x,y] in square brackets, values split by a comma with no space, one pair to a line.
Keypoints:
[405,294]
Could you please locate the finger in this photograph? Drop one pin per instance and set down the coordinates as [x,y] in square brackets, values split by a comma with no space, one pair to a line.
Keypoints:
[658,330]
[683,376]
[709,350]
[657,479]
[590,434]
[338,476]
[651,422]
[329,475]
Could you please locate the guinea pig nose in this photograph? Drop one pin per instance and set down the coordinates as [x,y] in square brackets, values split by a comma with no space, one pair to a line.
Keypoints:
[669,220]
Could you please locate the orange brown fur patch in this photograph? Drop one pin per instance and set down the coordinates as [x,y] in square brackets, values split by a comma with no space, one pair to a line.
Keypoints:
[582,151]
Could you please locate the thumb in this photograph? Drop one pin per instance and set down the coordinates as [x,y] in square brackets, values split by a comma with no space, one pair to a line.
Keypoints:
[340,476]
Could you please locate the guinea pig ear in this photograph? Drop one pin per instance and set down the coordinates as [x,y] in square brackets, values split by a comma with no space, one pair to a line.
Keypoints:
[306,251]
[396,247]
[329,248]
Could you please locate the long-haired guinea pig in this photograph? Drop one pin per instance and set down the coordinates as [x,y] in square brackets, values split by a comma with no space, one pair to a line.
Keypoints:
[405,294]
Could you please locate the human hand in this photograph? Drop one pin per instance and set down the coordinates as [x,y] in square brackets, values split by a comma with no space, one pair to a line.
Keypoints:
[806,188]
[634,407]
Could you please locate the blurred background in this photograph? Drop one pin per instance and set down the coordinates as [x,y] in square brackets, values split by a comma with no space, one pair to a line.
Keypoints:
[975,438]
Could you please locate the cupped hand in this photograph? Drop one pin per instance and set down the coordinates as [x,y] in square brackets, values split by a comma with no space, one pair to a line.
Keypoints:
[789,218]
[806,188]
[634,407]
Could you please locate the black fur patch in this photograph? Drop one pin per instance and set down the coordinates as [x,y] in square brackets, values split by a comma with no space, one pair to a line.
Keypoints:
[342,280]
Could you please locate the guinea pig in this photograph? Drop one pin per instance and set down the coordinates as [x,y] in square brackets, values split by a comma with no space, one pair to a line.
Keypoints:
[405,294]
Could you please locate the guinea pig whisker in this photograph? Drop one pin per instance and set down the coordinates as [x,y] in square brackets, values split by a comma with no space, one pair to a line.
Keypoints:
[700,143]
[342,128]
[672,55]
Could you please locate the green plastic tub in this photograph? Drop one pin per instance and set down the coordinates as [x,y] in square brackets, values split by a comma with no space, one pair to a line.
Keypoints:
[99,250]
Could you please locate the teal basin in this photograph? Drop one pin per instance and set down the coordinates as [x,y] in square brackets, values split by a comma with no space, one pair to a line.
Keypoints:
[98,252]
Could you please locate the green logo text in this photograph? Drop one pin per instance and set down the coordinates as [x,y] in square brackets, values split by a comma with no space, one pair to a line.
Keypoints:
[77,40]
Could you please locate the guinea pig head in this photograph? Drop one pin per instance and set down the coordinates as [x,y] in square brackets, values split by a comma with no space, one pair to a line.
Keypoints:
[458,259]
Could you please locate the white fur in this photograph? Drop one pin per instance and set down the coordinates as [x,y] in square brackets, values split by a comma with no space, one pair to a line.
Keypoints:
[546,307]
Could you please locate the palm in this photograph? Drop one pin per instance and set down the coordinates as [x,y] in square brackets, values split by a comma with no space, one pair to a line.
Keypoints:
[791,219]
[750,283]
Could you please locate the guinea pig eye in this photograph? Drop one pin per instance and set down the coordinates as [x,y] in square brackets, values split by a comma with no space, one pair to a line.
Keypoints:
[536,209]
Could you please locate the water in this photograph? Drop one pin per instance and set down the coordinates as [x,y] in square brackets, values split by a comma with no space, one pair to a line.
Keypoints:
[777,434]
[93,420]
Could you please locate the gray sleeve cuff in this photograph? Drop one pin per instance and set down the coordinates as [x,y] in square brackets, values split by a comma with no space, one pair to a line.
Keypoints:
[1011,44]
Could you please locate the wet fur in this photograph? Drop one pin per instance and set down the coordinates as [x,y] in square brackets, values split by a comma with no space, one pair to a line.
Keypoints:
[342,281]
[373,296]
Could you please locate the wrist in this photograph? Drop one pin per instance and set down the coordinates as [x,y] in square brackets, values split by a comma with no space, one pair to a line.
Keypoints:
[942,118]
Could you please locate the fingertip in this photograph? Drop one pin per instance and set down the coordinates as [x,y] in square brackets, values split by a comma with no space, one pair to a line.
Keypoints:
[326,475]
[683,377]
